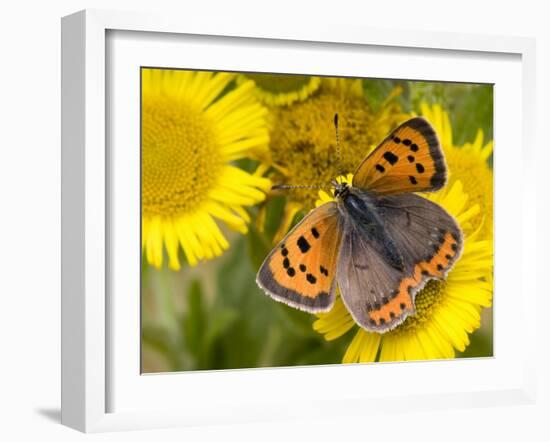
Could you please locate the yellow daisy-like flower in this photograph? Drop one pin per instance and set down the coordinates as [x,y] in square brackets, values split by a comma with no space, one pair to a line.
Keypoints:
[282,90]
[303,142]
[446,311]
[343,86]
[467,163]
[192,131]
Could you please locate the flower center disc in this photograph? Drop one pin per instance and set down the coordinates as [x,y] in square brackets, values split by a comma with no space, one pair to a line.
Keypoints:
[426,300]
[304,140]
[180,159]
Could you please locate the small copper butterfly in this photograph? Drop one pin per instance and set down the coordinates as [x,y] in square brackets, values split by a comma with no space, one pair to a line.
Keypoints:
[379,241]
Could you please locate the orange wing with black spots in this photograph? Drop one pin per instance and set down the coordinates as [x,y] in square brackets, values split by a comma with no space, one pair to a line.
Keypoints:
[378,295]
[410,159]
[301,270]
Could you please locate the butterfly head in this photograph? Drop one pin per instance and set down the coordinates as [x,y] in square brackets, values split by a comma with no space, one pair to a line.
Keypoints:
[340,189]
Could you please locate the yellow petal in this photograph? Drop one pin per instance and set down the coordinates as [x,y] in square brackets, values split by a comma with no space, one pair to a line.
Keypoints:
[354,350]
[172,243]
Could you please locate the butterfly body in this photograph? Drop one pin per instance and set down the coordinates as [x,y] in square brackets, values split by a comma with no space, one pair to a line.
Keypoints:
[358,208]
[378,241]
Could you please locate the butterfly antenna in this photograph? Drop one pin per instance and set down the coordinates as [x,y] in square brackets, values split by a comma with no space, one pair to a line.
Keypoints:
[338,151]
[299,186]
[310,186]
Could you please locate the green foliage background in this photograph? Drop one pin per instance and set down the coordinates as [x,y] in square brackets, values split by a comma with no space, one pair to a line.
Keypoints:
[214,316]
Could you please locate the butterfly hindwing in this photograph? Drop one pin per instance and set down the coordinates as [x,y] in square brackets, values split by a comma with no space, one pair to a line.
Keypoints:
[410,159]
[368,283]
[428,238]
[301,270]
[378,295]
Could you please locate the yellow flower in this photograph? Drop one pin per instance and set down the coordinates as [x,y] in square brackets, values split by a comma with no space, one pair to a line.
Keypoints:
[446,311]
[281,90]
[303,143]
[467,163]
[192,131]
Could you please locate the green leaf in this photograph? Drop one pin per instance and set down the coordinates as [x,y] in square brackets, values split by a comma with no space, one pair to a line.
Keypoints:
[220,321]
[471,111]
[470,106]
[247,164]
[296,321]
[162,341]
[194,322]
[378,90]
[258,247]
[275,208]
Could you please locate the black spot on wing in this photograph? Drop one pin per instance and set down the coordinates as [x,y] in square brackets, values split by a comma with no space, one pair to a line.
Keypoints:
[303,244]
[315,233]
[439,178]
[390,157]
[320,301]
[311,279]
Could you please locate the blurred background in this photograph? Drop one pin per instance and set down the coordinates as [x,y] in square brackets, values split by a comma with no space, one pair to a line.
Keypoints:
[214,316]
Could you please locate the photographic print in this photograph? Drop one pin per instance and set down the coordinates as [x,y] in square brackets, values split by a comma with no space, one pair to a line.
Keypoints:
[294,220]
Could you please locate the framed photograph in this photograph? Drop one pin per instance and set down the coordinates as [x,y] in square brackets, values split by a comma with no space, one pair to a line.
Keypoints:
[259,223]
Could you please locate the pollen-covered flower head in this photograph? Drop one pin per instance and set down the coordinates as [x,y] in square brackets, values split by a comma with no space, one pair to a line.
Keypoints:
[194,126]
[303,142]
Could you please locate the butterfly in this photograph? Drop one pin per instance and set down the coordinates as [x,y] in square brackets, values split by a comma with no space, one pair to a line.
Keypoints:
[378,240]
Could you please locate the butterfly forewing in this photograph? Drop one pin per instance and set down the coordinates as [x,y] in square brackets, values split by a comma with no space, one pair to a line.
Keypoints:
[378,295]
[408,160]
[301,270]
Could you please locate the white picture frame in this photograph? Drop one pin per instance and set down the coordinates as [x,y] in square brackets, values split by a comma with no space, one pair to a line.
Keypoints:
[92,370]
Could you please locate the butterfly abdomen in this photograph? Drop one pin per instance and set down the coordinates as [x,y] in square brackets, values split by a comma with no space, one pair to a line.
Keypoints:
[363,216]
